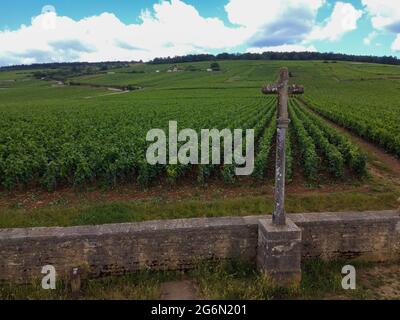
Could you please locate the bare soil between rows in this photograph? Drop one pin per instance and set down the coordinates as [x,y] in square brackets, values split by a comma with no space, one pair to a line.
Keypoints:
[183,190]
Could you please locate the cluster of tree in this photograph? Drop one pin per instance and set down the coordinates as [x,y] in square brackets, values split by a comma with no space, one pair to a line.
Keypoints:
[60,74]
[103,66]
[191,68]
[66,71]
[215,66]
[182,59]
[278,56]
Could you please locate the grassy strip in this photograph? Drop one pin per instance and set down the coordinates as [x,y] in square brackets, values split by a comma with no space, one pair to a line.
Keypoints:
[120,212]
[238,281]
[215,280]
[143,285]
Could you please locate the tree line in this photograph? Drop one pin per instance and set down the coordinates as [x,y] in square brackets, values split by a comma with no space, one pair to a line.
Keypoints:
[74,66]
[278,56]
[270,55]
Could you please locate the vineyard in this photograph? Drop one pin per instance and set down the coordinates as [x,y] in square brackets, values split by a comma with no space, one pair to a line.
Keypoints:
[361,98]
[55,135]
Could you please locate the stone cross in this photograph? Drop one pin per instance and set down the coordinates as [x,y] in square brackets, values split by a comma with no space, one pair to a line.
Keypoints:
[282,89]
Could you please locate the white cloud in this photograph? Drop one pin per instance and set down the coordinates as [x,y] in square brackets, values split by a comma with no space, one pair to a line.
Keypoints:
[272,22]
[385,14]
[396,44]
[283,48]
[342,20]
[174,28]
[368,39]
[256,13]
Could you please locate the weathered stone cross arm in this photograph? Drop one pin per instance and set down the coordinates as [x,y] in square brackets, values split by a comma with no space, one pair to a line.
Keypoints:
[283,90]
[274,89]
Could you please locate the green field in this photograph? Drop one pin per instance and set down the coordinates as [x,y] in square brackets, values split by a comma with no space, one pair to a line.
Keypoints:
[53,135]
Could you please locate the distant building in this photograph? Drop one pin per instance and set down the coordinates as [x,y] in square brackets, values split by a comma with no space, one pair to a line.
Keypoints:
[210,70]
[176,69]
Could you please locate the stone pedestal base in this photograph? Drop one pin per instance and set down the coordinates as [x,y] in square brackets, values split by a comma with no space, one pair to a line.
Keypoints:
[279,252]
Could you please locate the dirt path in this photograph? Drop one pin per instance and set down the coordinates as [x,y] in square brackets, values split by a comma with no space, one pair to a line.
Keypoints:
[178,290]
[109,94]
[381,282]
[380,164]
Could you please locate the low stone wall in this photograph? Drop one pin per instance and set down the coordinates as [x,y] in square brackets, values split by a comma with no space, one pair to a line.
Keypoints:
[373,236]
[122,248]
[177,244]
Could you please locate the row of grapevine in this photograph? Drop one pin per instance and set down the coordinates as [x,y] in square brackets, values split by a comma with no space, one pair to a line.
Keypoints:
[354,158]
[307,148]
[264,148]
[258,123]
[289,157]
[365,126]
[334,159]
[244,114]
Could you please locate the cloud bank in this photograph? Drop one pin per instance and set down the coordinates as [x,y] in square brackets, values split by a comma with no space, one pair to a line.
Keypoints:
[174,27]
[344,19]
[385,16]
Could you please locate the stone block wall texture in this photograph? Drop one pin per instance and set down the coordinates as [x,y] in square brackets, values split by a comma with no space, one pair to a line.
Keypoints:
[373,236]
[177,244]
[122,248]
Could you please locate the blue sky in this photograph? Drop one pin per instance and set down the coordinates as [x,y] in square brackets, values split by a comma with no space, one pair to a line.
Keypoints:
[97,30]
